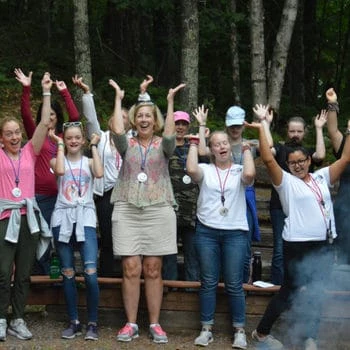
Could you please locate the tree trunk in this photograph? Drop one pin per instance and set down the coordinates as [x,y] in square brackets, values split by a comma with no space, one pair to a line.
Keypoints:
[235,60]
[280,53]
[258,67]
[190,54]
[81,41]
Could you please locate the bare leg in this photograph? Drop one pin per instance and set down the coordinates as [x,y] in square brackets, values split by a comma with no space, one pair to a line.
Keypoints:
[131,286]
[152,270]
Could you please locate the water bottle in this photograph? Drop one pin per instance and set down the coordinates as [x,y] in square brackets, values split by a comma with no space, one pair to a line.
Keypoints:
[257,267]
[55,270]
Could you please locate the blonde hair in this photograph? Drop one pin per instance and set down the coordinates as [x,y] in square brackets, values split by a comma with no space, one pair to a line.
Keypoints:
[158,118]
[214,133]
[5,120]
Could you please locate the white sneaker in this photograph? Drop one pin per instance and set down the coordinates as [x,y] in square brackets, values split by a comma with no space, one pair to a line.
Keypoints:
[240,340]
[3,326]
[310,344]
[18,328]
[271,342]
[205,338]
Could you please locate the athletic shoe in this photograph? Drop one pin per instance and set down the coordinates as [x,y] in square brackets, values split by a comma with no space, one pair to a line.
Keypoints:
[239,340]
[73,330]
[310,344]
[3,327]
[269,341]
[91,332]
[18,328]
[205,338]
[157,334]
[128,333]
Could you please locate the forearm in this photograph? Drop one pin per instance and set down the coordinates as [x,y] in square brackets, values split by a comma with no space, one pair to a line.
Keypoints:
[27,117]
[97,166]
[202,147]
[89,112]
[169,127]
[117,125]
[320,153]
[248,166]
[192,167]
[267,128]
[72,110]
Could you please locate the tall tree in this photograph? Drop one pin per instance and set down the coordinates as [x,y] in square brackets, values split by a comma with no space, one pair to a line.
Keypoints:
[235,58]
[258,66]
[280,53]
[190,53]
[82,41]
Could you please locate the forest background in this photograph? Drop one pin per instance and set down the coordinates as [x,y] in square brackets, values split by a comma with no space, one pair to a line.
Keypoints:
[282,53]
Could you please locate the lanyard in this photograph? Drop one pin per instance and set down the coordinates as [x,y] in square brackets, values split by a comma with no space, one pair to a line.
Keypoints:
[182,156]
[74,179]
[144,156]
[222,185]
[16,172]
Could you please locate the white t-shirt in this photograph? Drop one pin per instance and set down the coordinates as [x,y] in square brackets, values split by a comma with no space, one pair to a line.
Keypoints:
[209,199]
[306,219]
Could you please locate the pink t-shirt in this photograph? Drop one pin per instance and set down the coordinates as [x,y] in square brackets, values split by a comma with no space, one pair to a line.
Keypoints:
[23,169]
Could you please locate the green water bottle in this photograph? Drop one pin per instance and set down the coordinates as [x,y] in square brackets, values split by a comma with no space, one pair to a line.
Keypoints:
[55,271]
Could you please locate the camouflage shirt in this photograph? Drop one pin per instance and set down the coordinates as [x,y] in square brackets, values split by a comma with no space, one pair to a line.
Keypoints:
[185,194]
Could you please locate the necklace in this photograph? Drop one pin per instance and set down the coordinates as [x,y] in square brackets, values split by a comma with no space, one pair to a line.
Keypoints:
[223,210]
[142,176]
[16,191]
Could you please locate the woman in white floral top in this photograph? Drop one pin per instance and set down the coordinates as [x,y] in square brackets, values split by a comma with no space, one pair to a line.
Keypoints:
[143,220]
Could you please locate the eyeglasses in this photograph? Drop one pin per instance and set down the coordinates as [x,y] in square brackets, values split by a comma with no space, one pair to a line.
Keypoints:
[70,124]
[299,162]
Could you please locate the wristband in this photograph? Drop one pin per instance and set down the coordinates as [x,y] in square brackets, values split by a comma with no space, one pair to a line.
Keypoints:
[60,144]
[202,125]
[194,141]
[333,106]
[245,148]
[46,93]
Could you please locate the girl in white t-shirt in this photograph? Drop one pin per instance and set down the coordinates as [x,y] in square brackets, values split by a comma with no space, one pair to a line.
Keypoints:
[308,233]
[73,221]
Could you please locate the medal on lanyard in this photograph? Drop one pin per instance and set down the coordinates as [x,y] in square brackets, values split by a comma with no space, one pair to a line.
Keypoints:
[142,176]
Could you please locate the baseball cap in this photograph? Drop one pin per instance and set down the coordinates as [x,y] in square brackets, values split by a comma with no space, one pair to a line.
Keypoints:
[180,115]
[235,116]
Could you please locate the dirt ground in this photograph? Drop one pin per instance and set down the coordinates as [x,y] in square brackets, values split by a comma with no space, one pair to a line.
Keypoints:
[46,331]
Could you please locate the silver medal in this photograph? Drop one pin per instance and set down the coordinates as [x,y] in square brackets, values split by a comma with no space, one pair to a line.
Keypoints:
[223,211]
[16,192]
[142,177]
[51,171]
[186,179]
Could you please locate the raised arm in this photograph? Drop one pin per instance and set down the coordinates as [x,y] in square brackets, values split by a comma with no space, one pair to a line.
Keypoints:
[57,164]
[95,162]
[117,124]
[88,106]
[169,126]
[72,110]
[249,172]
[265,117]
[274,170]
[41,130]
[201,115]
[336,169]
[332,119]
[27,117]
[320,121]
[192,168]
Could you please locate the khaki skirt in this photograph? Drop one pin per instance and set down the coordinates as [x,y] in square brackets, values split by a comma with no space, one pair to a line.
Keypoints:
[149,231]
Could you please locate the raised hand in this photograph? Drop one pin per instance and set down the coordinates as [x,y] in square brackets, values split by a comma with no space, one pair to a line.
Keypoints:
[118,91]
[61,85]
[22,78]
[201,114]
[321,119]
[331,96]
[78,81]
[145,83]
[172,91]
[262,112]
[46,82]
[54,138]
[95,139]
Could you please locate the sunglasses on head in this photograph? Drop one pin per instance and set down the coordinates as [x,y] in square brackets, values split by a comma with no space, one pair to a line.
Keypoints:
[70,124]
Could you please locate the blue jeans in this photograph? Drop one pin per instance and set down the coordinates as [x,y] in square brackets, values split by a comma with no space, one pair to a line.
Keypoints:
[218,249]
[88,253]
[277,217]
[248,255]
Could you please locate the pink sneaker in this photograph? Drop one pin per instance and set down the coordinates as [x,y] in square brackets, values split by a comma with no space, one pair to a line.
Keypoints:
[128,333]
[157,334]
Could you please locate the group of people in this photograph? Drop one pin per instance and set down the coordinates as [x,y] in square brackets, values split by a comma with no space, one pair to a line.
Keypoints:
[190,186]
